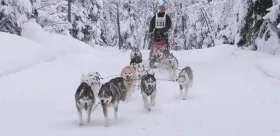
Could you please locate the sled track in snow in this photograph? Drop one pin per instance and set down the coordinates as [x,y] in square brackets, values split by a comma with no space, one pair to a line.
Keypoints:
[266,73]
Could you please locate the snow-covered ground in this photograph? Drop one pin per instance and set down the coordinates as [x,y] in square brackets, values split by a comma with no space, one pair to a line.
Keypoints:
[236,92]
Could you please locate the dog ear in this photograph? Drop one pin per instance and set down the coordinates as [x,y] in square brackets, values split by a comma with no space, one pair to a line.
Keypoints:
[98,74]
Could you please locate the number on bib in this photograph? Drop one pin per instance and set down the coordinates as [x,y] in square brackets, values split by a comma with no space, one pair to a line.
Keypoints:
[160,23]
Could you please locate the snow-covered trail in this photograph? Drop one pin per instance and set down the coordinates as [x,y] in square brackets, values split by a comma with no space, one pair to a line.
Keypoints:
[230,97]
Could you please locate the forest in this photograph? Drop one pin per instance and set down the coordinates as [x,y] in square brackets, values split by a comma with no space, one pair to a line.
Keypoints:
[196,24]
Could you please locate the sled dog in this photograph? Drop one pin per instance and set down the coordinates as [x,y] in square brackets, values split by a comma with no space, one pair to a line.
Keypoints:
[85,99]
[135,52]
[172,65]
[136,60]
[110,94]
[185,80]
[129,75]
[149,89]
[162,55]
[93,80]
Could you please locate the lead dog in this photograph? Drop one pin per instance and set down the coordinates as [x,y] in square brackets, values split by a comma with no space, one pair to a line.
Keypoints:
[149,89]
[85,99]
[185,80]
[110,94]
[129,75]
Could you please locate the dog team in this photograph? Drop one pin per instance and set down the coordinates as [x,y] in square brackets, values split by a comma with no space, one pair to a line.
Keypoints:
[136,75]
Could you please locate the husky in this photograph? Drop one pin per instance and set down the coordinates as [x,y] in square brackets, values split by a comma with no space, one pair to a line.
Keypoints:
[141,70]
[129,75]
[172,65]
[185,80]
[93,80]
[149,89]
[162,55]
[136,60]
[135,52]
[85,100]
[110,94]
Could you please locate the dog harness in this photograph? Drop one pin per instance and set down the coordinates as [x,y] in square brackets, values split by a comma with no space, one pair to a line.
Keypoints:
[148,93]
[160,21]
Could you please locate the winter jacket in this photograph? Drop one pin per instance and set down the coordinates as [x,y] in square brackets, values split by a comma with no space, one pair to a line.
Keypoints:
[167,25]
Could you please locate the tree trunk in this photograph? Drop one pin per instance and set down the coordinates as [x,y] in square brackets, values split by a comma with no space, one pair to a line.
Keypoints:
[183,26]
[69,11]
[119,27]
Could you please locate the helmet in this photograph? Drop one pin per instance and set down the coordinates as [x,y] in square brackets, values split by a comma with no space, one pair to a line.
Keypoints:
[162,6]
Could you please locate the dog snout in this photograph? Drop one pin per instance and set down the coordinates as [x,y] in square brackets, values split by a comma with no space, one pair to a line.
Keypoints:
[86,104]
[170,61]
[102,101]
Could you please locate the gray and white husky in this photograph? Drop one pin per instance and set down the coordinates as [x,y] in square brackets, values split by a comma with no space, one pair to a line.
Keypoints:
[172,66]
[110,94]
[149,89]
[85,100]
[185,80]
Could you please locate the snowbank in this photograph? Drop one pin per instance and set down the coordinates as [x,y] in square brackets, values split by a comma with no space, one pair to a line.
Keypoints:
[17,53]
[33,47]
[61,44]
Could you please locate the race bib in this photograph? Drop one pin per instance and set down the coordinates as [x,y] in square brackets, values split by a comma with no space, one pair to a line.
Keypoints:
[160,21]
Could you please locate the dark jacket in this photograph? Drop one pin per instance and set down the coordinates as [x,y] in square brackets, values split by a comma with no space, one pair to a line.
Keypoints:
[167,25]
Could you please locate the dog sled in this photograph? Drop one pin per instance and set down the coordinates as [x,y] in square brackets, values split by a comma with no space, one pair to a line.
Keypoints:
[158,42]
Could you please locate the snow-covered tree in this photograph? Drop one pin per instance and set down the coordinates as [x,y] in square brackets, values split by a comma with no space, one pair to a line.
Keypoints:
[13,13]
[268,40]
[250,19]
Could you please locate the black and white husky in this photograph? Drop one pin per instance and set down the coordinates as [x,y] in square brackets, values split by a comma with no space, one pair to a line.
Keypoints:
[149,89]
[85,100]
[93,80]
[172,66]
[110,94]
[135,61]
[135,57]
[135,52]
[185,80]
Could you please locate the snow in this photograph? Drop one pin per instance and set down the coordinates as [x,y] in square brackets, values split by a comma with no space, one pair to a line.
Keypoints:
[273,12]
[231,95]
[35,46]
